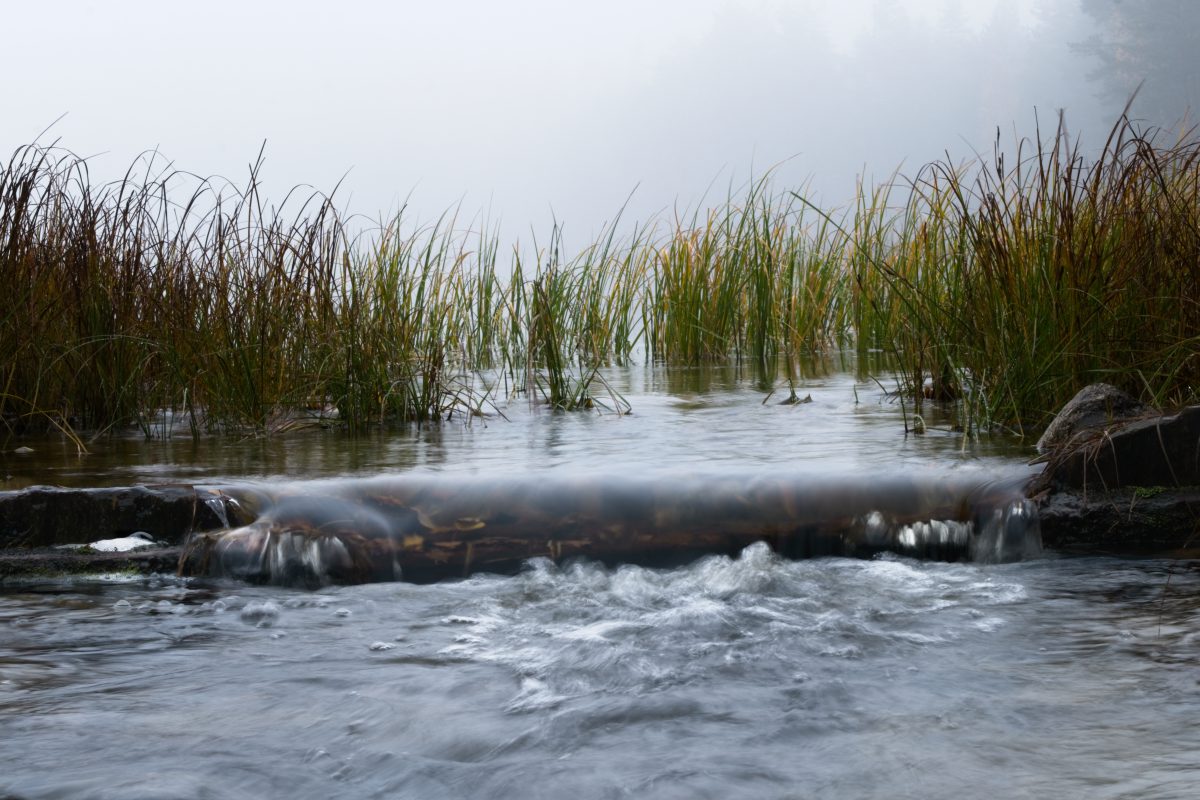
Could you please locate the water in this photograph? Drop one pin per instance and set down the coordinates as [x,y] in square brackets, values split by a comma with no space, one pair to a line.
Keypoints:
[682,420]
[746,677]
[743,676]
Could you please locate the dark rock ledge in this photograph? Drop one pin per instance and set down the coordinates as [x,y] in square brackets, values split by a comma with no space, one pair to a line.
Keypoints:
[47,562]
[33,521]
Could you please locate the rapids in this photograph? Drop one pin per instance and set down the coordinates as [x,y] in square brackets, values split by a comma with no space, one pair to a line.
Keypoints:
[752,676]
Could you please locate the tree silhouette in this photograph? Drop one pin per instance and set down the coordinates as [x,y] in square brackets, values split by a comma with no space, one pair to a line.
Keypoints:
[1152,44]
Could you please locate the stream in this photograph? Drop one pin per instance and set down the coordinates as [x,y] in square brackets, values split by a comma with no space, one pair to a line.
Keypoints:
[742,675]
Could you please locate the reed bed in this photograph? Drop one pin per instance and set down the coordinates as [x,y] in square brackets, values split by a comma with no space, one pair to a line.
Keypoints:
[1016,285]
[997,288]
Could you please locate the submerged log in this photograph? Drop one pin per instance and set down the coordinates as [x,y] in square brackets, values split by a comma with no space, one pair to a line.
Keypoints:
[428,528]
[425,529]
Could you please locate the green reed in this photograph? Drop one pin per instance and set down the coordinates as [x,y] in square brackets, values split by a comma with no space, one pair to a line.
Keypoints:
[1019,284]
[574,308]
[995,288]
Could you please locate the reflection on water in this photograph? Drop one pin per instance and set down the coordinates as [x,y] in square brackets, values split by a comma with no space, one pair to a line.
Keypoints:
[743,677]
[682,419]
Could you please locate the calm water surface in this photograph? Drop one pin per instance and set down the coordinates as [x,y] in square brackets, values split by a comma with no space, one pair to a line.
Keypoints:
[681,420]
[731,677]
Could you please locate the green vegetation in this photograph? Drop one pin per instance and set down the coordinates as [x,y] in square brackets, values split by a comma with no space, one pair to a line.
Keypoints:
[999,288]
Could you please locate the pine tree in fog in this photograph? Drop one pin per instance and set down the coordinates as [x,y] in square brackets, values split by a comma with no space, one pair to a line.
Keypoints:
[1154,44]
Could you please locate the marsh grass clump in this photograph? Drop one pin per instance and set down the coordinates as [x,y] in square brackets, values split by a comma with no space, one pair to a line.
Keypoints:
[996,289]
[238,315]
[754,279]
[386,353]
[1017,284]
[82,300]
[579,316]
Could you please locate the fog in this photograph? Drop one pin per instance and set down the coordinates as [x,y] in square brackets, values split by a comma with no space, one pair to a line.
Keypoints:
[526,111]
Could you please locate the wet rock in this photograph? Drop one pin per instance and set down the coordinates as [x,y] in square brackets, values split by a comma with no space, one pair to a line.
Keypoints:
[45,516]
[38,563]
[1095,408]
[1120,477]
[1155,451]
[1123,522]
[36,522]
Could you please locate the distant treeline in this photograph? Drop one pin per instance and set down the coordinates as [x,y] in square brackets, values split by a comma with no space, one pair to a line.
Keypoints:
[1000,287]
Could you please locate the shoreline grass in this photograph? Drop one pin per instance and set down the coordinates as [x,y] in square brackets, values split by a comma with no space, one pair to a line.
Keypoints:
[997,288]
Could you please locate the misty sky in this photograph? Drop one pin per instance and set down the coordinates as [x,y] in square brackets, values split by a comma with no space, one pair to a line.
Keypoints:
[532,108]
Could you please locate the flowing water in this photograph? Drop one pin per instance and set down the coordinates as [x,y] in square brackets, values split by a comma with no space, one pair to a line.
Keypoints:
[731,676]
[746,677]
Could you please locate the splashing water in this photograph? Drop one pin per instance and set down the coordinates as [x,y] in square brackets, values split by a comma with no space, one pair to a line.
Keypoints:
[750,676]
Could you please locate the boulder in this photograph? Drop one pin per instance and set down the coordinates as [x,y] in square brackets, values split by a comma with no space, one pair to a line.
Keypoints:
[1097,450]
[1120,477]
[1096,408]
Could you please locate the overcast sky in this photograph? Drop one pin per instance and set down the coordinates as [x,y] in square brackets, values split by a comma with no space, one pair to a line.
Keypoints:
[531,108]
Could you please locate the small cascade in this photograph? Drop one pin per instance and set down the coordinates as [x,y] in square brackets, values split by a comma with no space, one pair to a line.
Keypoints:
[428,528]
[217,504]
[941,539]
[300,540]
[998,531]
[1007,532]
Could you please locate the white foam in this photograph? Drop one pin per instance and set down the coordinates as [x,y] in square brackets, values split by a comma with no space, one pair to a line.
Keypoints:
[260,614]
[597,631]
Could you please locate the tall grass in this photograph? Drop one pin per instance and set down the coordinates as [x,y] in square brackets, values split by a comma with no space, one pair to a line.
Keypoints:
[998,288]
[1019,284]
